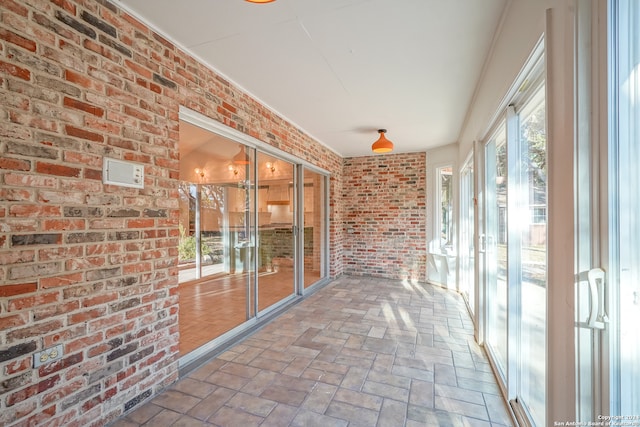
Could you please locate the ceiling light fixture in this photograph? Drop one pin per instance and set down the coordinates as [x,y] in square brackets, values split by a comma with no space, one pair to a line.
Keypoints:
[382,145]
[260,1]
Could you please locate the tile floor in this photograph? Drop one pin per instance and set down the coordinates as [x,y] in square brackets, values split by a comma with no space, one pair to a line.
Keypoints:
[359,352]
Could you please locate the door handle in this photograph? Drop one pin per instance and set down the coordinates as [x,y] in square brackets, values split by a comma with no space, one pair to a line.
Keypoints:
[597,317]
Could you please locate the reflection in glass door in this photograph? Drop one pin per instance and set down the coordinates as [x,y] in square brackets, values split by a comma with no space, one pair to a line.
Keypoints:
[314,225]
[496,248]
[467,256]
[608,305]
[530,274]
[216,247]
[516,253]
[623,334]
[242,253]
[276,231]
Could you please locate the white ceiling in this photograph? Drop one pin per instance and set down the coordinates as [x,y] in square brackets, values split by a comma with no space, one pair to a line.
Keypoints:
[341,69]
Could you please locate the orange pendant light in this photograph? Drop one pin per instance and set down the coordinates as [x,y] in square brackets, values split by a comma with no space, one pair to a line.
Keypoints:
[382,145]
[260,1]
[241,158]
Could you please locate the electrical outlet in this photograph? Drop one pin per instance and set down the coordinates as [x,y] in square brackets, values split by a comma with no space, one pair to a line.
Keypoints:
[47,356]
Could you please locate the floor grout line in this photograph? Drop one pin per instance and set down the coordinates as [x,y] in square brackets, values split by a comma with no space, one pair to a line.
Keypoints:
[404,347]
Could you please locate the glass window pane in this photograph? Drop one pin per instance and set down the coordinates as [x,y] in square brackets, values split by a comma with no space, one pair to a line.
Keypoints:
[187,239]
[446,208]
[215,249]
[467,260]
[496,246]
[625,227]
[211,212]
[276,239]
[314,227]
[533,255]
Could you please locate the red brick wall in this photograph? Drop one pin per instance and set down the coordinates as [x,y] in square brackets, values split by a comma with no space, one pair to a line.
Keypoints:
[93,266]
[385,216]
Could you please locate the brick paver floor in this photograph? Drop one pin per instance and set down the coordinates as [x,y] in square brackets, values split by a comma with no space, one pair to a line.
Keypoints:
[359,352]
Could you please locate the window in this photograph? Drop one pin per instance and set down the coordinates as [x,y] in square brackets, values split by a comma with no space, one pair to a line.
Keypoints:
[445,176]
[538,214]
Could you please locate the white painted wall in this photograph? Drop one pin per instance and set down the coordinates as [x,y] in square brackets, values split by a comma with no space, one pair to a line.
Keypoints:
[522,27]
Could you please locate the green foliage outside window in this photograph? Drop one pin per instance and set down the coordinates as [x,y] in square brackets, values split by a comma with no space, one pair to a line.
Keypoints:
[187,246]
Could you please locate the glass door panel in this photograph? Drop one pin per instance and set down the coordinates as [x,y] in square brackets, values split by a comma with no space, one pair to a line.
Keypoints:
[216,250]
[188,256]
[608,359]
[589,388]
[276,231]
[467,256]
[515,248]
[212,243]
[314,240]
[624,226]
[625,276]
[532,209]
[496,248]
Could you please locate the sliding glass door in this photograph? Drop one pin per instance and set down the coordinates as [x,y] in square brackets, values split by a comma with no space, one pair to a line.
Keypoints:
[608,294]
[530,271]
[314,233]
[623,334]
[467,247]
[495,244]
[276,231]
[515,254]
[216,247]
[608,245]
[252,233]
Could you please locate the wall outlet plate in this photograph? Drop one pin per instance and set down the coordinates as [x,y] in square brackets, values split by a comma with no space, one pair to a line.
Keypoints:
[47,356]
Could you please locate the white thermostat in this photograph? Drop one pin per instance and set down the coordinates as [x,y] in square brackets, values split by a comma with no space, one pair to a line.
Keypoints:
[123,173]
